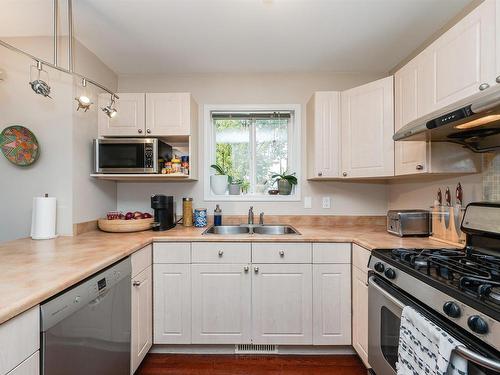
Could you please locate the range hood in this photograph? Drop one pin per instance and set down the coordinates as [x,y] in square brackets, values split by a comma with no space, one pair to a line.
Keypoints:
[473,122]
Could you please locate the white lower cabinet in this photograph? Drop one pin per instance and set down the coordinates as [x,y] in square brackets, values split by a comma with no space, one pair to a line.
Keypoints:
[332,304]
[30,366]
[172,304]
[142,316]
[360,302]
[282,304]
[221,303]
[19,340]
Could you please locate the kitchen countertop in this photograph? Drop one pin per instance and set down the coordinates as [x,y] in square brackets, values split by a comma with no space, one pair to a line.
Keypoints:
[33,271]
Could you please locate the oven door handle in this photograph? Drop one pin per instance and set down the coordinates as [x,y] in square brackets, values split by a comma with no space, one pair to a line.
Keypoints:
[371,281]
[478,359]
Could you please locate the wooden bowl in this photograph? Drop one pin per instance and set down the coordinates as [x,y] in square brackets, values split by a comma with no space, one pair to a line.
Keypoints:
[124,226]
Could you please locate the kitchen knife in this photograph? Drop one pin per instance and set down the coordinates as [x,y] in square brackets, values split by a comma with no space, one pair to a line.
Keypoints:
[447,198]
[458,207]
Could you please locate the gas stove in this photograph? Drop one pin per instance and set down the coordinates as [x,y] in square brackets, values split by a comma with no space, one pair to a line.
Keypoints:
[460,285]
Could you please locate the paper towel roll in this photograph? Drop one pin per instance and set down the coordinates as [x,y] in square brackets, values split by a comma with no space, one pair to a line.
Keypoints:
[43,218]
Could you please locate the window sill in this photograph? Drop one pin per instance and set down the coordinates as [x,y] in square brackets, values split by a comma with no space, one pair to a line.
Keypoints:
[253,198]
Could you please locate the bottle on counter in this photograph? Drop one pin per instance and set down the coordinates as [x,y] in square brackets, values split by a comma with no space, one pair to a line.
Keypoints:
[217,216]
[187,212]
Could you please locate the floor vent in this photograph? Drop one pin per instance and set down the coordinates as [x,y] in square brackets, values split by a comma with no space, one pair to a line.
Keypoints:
[256,349]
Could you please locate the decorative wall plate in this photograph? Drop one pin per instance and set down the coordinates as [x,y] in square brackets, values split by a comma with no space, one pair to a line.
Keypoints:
[19,145]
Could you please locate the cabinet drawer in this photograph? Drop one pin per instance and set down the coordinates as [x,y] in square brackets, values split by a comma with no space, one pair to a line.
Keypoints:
[31,366]
[281,252]
[141,259]
[172,252]
[221,252]
[337,253]
[19,339]
[360,257]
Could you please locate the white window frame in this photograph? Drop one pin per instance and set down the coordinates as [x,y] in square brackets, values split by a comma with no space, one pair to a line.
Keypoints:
[294,154]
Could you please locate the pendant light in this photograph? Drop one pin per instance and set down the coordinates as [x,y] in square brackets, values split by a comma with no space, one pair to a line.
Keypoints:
[83,100]
[38,85]
[110,109]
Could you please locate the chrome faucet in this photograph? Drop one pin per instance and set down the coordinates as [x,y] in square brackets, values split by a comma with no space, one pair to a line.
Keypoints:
[250,216]
[261,218]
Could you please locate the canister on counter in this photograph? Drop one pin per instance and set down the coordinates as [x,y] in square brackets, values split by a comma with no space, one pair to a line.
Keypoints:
[187,212]
[200,217]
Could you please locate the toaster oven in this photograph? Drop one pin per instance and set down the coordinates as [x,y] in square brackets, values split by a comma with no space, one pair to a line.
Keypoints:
[409,222]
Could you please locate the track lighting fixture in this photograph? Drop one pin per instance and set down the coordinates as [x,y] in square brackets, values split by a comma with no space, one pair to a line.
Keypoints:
[110,109]
[38,85]
[83,100]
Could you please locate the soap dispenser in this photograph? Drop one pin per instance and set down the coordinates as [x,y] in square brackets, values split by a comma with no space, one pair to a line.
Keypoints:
[217,216]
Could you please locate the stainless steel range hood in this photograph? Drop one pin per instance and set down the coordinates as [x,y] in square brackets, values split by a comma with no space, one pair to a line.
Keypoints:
[473,122]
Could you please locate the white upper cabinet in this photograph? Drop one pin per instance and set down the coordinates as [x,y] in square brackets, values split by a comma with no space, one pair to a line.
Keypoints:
[145,115]
[410,157]
[169,114]
[464,56]
[323,135]
[367,129]
[130,117]
[497,37]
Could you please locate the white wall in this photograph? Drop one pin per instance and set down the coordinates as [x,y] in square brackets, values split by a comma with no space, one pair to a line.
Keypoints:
[420,192]
[50,121]
[347,198]
[65,138]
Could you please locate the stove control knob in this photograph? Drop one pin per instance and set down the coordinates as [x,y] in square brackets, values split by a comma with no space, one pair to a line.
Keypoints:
[451,309]
[379,267]
[477,324]
[390,273]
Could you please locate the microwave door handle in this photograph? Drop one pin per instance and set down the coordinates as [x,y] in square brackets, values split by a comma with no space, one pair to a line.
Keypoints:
[478,359]
[385,294]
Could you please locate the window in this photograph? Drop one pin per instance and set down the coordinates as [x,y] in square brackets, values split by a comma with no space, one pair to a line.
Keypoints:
[251,145]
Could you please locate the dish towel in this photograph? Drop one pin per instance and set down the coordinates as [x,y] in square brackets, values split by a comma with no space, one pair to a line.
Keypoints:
[426,349]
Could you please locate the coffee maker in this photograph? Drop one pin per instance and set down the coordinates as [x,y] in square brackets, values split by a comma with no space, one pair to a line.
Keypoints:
[164,212]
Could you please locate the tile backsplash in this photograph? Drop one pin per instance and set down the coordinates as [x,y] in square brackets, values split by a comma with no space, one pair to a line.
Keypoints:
[491,177]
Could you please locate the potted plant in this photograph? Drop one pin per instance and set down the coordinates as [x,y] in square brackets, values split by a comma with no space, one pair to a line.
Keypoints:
[219,180]
[235,187]
[285,182]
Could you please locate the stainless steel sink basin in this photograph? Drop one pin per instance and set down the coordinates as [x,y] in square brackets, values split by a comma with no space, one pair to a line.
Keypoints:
[227,229]
[275,229]
[251,229]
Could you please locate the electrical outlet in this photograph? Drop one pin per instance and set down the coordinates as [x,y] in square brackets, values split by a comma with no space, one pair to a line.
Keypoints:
[307,202]
[325,203]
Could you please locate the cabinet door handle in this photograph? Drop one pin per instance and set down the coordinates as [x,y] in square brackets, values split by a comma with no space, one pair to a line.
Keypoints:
[344,174]
[148,131]
[320,174]
[221,253]
[256,269]
[139,131]
[419,167]
[136,283]
[282,253]
[246,268]
[483,86]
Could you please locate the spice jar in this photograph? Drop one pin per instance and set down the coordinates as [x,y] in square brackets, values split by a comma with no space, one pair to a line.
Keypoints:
[168,167]
[187,212]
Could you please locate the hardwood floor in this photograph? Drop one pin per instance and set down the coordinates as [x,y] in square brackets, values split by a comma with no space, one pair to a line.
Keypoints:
[183,364]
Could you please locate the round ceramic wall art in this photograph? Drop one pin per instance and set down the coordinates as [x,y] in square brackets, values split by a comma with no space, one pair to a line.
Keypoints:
[19,145]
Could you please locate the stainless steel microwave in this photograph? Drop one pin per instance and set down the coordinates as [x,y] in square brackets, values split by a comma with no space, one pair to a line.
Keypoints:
[126,155]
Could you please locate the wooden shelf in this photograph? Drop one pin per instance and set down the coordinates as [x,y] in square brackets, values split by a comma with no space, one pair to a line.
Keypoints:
[143,177]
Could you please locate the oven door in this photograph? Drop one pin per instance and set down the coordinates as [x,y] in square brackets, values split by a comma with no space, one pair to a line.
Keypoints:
[126,155]
[385,306]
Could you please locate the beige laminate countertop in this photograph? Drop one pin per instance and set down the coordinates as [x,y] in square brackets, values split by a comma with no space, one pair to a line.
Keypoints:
[33,271]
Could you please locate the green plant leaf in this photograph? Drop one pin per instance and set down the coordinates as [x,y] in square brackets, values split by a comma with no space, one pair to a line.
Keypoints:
[218,169]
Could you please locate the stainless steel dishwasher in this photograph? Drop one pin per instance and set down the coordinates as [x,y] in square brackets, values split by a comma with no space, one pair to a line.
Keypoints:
[86,329]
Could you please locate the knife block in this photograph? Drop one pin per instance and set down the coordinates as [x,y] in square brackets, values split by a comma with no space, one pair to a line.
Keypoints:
[446,225]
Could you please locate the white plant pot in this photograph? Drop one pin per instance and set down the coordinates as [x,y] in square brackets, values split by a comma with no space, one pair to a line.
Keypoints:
[218,184]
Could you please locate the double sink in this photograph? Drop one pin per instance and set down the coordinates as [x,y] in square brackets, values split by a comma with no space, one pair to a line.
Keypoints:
[252,229]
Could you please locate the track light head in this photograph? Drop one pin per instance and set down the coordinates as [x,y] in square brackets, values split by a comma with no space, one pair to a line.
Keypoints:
[83,100]
[110,109]
[38,85]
